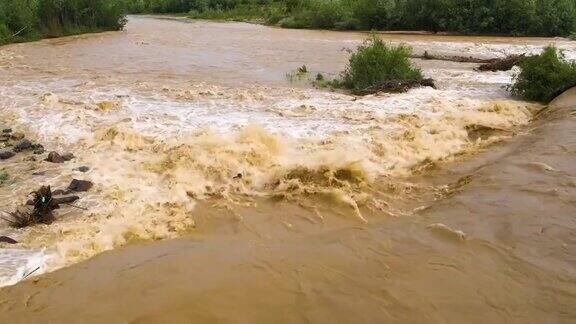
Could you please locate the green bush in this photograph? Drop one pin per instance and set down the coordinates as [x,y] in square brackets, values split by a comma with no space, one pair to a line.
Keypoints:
[375,62]
[544,76]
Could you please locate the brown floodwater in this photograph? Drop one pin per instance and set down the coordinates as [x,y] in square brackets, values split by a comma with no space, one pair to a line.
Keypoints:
[408,207]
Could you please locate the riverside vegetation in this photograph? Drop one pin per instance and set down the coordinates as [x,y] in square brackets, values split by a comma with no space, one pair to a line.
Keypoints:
[510,17]
[545,76]
[24,20]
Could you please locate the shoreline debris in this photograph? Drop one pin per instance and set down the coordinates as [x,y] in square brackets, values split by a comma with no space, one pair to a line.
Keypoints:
[44,203]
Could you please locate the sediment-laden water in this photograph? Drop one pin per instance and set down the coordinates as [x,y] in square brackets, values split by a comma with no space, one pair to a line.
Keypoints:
[169,112]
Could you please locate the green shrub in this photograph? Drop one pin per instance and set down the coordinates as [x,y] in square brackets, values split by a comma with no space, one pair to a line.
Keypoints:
[544,76]
[375,62]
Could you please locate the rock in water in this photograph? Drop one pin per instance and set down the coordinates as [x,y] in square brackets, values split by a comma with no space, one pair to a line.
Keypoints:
[67,156]
[82,169]
[38,149]
[6,239]
[22,145]
[54,157]
[6,154]
[80,185]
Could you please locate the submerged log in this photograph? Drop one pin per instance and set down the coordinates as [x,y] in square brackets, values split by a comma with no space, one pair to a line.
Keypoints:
[459,59]
[490,64]
[504,64]
[396,86]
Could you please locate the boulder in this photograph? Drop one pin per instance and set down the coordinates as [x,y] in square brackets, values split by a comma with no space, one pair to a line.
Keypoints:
[6,154]
[22,145]
[67,156]
[6,239]
[82,169]
[38,149]
[80,185]
[54,157]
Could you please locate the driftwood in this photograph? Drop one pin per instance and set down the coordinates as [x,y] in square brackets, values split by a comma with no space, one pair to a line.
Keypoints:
[503,64]
[459,59]
[396,86]
[18,32]
[42,213]
[490,64]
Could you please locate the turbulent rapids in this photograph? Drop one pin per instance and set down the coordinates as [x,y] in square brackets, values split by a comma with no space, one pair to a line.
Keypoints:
[168,113]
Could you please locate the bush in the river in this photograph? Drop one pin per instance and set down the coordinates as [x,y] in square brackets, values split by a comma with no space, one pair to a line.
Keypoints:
[545,76]
[376,62]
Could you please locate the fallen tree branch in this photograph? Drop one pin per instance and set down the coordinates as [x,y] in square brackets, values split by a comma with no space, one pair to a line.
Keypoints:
[459,59]
[492,64]
[18,32]
[504,64]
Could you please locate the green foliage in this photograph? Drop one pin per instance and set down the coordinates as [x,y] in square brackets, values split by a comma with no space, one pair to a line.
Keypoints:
[511,17]
[18,20]
[544,76]
[244,12]
[320,14]
[22,20]
[376,62]
[58,17]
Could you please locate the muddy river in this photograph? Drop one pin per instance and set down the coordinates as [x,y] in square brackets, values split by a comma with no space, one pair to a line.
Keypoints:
[171,113]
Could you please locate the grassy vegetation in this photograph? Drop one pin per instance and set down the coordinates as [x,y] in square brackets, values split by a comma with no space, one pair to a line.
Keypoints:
[544,76]
[24,20]
[512,17]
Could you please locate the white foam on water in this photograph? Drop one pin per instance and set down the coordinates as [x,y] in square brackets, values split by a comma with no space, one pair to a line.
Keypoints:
[18,264]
